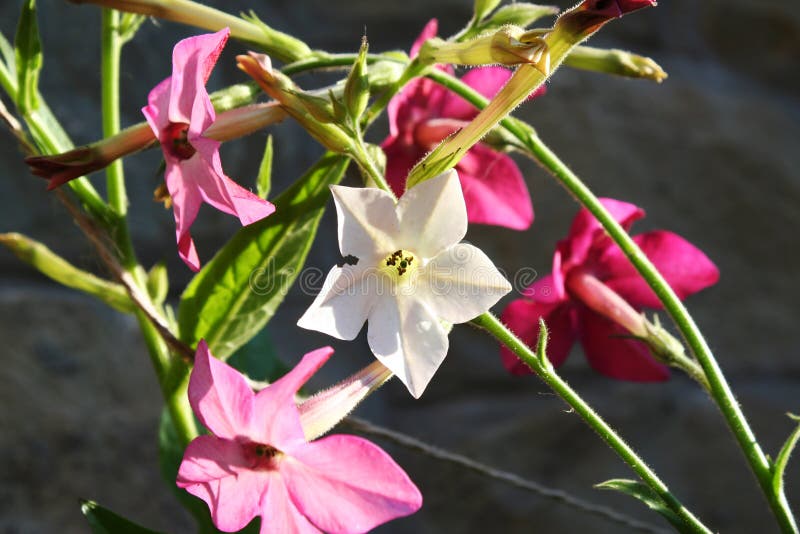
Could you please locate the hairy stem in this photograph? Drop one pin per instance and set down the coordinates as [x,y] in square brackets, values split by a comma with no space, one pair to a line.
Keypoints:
[545,371]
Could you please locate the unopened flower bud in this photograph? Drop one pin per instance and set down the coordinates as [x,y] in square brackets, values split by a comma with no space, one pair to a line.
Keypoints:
[356,88]
[617,62]
[308,110]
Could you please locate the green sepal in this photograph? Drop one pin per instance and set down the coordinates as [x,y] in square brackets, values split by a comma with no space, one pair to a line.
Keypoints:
[264,179]
[779,465]
[645,494]
[28,57]
[356,88]
[104,521]
[129,24]
[158,283]
[239,290]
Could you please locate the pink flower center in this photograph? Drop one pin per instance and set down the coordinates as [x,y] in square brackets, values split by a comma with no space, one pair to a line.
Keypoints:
[260,456]
[175,140]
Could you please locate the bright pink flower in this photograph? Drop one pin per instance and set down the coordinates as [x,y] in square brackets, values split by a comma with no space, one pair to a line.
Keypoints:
[591,274]
[179,111]
[258,462]
[424,113]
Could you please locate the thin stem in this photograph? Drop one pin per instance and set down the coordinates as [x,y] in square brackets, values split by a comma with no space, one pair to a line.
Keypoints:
[109,67]
[718,387]
[365,427]
[499,331]
[41,123]
[171,371]
[110,51]
[367,164]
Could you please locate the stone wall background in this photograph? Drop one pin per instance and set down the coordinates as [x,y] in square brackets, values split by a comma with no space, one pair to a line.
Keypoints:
[712,154]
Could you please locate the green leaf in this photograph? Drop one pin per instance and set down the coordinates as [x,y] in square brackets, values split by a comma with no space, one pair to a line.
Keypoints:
[645,494]
[8,67]
[238,291]
[782,459]
[44,260]
[28,56]
[264,180]
[484,7]
[104,521]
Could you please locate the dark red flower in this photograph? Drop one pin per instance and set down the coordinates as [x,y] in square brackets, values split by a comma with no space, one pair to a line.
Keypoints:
[592,281]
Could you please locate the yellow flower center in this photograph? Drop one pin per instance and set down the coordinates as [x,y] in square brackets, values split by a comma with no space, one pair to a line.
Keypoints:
[400,265]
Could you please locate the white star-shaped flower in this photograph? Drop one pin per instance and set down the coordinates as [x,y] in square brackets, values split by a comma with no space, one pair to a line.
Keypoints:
[406,273]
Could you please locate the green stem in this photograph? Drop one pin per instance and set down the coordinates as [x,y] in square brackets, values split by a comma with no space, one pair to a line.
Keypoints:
[171,371]
[367,164]
[544,371]
[718,387]
[110,51]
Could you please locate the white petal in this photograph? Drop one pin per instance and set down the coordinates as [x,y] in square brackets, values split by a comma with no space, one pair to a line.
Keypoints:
[343,303]
[407,338]
[433,215]
[367,221]
[462,283]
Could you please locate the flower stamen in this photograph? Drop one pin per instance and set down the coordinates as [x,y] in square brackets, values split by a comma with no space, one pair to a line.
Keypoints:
[176,140]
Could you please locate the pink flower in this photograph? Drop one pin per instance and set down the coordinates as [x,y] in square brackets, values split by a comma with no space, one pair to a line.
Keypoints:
[179,111]
[592,282]
[424,113]
[258,462]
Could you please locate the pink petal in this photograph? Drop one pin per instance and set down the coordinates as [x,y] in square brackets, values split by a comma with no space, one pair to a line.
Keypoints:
[215,470]
[544,290]
[279,514]
[276,419]
[612,352]
[219,190]
[522,317]
[400,158]
[220,396]
[186,200]
[428,32]
[345,484]
[210,458]
[684,266]
[494,190]
[486,80]
[156,110]
[419,100]
[192,62]
[586,233]
[233,501]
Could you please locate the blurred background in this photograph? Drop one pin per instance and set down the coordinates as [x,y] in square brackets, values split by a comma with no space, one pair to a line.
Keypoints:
[712,154]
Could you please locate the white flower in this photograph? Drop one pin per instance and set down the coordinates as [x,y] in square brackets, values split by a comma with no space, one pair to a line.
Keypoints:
[406,273]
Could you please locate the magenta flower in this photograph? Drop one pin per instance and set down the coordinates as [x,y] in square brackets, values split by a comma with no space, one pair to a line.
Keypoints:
[258,462]
[594,295]
[179,111]
[424,113]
